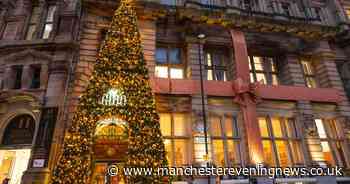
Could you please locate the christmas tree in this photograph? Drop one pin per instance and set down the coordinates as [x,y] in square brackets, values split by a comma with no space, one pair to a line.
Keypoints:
[119,87]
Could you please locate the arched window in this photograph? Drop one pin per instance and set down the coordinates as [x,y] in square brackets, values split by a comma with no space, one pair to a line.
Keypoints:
[20,130]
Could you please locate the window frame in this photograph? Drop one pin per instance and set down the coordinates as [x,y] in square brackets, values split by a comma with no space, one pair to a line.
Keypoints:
[272,138]
[214,68]
[333,137]
[45,21]
[172,137]
[236,138]
[168,64]
[268,74]
[36,24]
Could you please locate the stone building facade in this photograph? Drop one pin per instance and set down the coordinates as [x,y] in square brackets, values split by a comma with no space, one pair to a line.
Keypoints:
[237,82]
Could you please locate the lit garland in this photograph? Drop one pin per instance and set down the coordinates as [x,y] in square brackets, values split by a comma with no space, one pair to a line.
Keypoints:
[120,65]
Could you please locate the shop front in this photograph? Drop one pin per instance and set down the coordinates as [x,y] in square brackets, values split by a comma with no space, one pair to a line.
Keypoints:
[109,150]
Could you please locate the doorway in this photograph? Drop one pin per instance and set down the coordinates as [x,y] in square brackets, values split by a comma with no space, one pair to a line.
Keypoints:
[101,176]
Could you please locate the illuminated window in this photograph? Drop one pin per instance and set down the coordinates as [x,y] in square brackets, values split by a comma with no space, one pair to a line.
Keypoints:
[347,11]
[175,130]
[13,163]
[263,69]
[281,141]
[225,139]
[331,142]
[215,65]
[169,63]
[309,74]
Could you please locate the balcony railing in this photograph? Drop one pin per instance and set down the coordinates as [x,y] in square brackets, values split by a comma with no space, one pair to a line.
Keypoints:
[273,9]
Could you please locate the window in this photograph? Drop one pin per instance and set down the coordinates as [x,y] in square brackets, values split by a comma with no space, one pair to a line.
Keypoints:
[19,131]
[175,130]
[281,141]
[215,65]
[263,69]
[347,11]
[35,77]
[285,9]
[17,71]
[309,74]
[168,63]
[225,140]
[48,24]
[330,139]
[33,23]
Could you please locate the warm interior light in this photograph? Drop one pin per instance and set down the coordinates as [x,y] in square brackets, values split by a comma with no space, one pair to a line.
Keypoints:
[13,163]
[161,71]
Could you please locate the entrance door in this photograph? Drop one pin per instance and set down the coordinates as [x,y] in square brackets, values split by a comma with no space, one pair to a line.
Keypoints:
[101,176]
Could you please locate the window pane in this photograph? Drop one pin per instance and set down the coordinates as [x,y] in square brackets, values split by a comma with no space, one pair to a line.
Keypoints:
[263,127]
[282,152]
[307,67]
[169,151]
[51,13]
[228,127]
[327,153]
[31,32]
[291,129]
[161,71]
[210,75]
[311,82]
[320,128]
[215,126]
[165,124]
[276,127]
[218,150]
[272,64]
[220,75]
[161,55]
[180,152]
[333,129]
[34,19]
[176,73]
[252,77]
[174,56]
[258,63]
[233,155]
[260,77]
[47,31]
[268,153]
[180,128]
[209,60]
[250,65]
[199,149]
[297,152]
[274,79]
[217,59]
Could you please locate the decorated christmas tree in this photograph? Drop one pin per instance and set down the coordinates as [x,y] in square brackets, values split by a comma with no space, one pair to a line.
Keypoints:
[118,88]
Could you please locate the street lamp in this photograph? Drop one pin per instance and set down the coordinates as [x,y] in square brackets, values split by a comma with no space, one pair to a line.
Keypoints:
[201,38]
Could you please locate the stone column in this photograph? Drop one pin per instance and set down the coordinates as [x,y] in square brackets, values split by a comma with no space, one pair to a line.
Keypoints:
[8,78]
[44,76]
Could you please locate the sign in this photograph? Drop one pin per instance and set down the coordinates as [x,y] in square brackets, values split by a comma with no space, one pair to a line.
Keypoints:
[38,163]
[114,97]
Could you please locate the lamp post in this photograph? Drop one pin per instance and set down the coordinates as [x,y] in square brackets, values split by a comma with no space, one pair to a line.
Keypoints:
[201,38]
